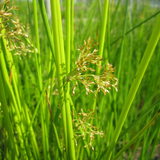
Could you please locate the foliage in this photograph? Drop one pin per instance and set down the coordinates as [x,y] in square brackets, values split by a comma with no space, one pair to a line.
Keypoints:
[39,121]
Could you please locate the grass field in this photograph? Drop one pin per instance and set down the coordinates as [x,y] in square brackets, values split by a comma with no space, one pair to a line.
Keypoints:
[83,85]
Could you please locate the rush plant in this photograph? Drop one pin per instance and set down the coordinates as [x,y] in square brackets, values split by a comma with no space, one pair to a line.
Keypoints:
[61,101]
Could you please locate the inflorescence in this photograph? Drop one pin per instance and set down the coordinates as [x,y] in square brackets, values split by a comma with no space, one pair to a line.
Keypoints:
[84,128]
[84,73]
[13,31]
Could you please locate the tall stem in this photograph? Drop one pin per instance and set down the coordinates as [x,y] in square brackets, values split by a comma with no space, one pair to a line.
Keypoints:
[71,149]
[60,61]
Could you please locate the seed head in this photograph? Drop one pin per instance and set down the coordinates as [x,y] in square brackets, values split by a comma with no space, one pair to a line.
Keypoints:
[85,73]
[83,122]
[13,31]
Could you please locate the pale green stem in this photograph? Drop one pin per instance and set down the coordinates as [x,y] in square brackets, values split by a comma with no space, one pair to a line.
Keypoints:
[58,56]
[70,136]
[103,30]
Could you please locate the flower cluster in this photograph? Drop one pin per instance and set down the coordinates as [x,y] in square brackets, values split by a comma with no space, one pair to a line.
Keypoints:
[84,73]
[83,127]
[13,31]
[86,57]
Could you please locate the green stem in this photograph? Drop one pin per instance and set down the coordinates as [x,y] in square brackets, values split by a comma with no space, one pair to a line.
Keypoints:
[103,30]
[70,136]
[60,62]
[72,34]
